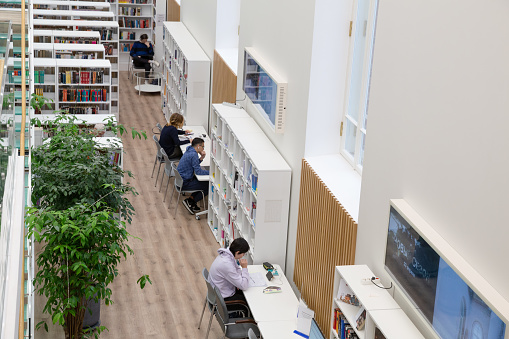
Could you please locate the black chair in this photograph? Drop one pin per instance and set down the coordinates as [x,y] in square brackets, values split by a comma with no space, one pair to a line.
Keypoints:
[233,328]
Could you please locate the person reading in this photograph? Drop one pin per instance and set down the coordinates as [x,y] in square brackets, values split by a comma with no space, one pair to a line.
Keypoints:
[169,138]
[188,166]
[142,53]
[231,278]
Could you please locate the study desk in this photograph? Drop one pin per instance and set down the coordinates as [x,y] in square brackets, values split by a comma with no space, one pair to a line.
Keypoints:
[272,307]
[198,132]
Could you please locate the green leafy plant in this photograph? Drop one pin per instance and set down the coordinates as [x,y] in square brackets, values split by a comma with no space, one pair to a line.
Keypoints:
[37,102]
[80,217]
[82,247]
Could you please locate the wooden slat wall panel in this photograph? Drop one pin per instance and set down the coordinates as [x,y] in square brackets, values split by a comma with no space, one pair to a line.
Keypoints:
[172,11]
[326,237]
[224,81]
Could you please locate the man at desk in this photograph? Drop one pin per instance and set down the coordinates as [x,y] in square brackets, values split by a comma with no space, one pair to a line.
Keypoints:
[188,166]
[225,274]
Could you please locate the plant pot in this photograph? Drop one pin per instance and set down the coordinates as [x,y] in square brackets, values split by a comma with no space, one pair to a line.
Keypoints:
[91,321]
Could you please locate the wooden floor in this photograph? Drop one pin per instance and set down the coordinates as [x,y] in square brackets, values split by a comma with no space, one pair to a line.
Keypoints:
[172,252]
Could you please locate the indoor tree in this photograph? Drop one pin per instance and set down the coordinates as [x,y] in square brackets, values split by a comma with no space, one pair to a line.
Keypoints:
[79,216]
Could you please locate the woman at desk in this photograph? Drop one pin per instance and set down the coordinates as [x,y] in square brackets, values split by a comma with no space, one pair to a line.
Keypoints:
[169,138]
[225,274]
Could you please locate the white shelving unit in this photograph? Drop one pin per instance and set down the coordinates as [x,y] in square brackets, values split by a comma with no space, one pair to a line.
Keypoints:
[108,37]
[134,19]
[186,74]
[382,311]
[55,14]
[71,5]
[59,36]
[249,186]
[68,51]
[158,11]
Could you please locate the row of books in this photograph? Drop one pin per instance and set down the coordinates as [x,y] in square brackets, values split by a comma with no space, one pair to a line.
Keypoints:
[85,41]
[133,23]
[81,110]
[132,11]
[79,55]
[108,49]
[342,326]
[126,46]
[39,77]
[254,182]
[127,36]
[39,91]
[106,34]
[81,77]
[82,95]
[141,2]
[16,73]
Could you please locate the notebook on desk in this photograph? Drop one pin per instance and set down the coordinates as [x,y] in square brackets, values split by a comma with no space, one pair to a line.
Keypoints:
[202,177]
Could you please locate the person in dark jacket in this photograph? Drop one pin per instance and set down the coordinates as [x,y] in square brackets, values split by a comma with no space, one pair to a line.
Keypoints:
[169,138]
[142,53]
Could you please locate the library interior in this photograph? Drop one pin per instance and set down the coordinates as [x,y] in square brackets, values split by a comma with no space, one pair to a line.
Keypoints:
[212,161]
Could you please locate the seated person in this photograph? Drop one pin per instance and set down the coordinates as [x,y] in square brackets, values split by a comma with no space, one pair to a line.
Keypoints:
[225,274]
[188,165]
[142,53]
[169,138]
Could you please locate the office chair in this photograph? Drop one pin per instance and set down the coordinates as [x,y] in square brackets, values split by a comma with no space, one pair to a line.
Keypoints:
[131,67]
[168,171]
[159,157]
[251,334]
[210,301]
[233,328]
[178,182]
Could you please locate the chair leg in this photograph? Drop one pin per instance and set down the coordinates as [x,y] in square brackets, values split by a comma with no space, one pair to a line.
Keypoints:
[210,320]
[158,171]
[171,198]
[203,311]
[153,169]
[162,181]
[177,205]
[166,190]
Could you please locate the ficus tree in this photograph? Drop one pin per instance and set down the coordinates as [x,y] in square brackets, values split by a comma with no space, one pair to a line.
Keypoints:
[79,215]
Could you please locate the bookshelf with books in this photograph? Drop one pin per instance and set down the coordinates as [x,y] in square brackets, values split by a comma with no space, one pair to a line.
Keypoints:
[186,73]
[158,13]
[56,14]
[249,186]
[68,51]
[108,37]
[365,311]
[134,19]
[71,37]
[72,5]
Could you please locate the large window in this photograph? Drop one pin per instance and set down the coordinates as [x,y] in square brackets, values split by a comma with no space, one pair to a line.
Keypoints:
[355,119]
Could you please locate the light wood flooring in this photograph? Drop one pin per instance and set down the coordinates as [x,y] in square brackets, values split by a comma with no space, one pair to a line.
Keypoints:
[172,251]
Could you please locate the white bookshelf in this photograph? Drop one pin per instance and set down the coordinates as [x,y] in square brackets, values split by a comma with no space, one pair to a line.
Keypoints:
[68,51]
[186,74]
[158,11]
[249,186]
[382,311]
[71,5]
[60,36]
[108,37]
[134,19]
[55,14]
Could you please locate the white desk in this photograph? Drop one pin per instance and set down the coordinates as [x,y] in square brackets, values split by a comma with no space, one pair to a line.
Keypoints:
[279,329]
[198,131]
[272,307]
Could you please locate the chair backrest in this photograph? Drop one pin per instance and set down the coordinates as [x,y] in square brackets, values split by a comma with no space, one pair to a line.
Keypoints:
[178,179]
[251,334]
[158,125]
[156,140]
[211,295]
[168,168]
[222,312]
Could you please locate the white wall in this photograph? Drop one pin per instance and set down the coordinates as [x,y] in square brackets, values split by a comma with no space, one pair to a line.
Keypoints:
[281,32]
[200,19]
[437,133]
[228,19]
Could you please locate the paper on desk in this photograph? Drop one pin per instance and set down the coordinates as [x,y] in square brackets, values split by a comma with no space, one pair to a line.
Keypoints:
[304,318]
[183,137]
[257,279]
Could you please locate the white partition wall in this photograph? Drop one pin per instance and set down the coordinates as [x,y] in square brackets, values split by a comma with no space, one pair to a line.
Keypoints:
[437,131]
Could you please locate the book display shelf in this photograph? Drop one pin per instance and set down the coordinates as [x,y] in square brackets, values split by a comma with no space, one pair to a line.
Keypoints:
[382,315]
[134,19]
[158,16]
[108,37]
[186,73]
[72,5]
[68,51]
[62,14]
[69,37]
[249,186]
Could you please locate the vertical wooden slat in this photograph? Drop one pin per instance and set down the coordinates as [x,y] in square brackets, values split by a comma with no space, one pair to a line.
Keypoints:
[172,10]
[224,81]
[326,236]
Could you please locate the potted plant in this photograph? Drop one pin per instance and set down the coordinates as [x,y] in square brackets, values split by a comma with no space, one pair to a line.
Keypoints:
[80,217]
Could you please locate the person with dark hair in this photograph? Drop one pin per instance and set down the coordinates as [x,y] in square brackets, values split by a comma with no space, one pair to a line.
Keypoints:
[142,53]
[169,138]
[230,277]
[188,166]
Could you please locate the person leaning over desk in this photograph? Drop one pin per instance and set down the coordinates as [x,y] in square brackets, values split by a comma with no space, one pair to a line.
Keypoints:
[225,274]
[169,138]
[189,165]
